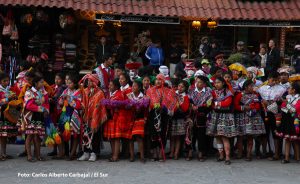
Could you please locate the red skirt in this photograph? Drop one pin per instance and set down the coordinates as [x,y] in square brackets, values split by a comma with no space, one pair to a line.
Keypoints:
[118,127]
[138,127]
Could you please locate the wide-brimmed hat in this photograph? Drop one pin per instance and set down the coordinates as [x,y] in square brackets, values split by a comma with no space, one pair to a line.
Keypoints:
[219,56]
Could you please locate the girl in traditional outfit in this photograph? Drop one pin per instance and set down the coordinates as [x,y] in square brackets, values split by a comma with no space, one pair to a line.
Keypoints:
[36,107]
[118,124]
[201,99]
[94,115]
[7,129]
[249,120]
[178,128]
[228,79]
[70,122]
[239,73]
[146,83]
[21,81]
[163,102]
[55,109]
[289,129]
[125,83]
[221,123]
[139,106]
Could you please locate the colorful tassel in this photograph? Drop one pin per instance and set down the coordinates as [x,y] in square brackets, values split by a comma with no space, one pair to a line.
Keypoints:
[52,133]
[278,119]
[67,133]
[49,141]
[296,124]
[57,139]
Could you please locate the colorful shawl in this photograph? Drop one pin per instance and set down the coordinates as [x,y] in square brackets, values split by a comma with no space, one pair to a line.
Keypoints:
[163,97]
[220,95]
[94,112]
[70,113]
[201,98]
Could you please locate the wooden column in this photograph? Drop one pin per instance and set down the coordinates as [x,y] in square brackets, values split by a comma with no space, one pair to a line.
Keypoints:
[189,39]
[282,41]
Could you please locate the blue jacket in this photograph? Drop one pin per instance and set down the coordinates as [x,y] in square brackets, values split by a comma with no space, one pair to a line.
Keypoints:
[155,55]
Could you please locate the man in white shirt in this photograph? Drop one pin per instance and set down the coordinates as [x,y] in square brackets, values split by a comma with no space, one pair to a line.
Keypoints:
[271,95]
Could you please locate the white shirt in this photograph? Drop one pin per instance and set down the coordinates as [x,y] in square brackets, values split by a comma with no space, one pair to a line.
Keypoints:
[286,85]
[103,67]
[124,87]
[271,92]
[112,94]
[202,90]
[263,61]
[141,95]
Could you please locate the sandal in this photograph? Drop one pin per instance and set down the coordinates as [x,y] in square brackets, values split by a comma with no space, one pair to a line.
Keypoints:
[113,160]
[248,159]
[58,157]
[71,158]
[8,157]
[189,158]
[273,159]
[285,161]
[131,160]
[143,160]
[2,158]
[161,160]
[220,159]
[201,159]
[154,159]
[30,160]
[227,162]
[41,159]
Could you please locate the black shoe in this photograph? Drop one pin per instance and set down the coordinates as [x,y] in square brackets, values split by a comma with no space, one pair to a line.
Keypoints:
[285,161]
[51,154]
[227,162]
[23,154]
[220,159]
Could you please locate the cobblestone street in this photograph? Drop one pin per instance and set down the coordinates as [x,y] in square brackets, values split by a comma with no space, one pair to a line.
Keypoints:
[19,170]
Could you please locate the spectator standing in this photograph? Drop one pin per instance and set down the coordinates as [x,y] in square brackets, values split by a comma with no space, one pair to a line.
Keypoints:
[214,51]
[246,55]
[260,60]
[102,49]
[155,55]
[175,56]
[273,58]
[295,59]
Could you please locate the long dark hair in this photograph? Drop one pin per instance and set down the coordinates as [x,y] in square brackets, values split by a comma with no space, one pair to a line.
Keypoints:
[296,86]
[116,83]
[127,78]
[225,86]
[3,76]
[75,79]
[247,83]
[37,78]
[140,85]
[185,84]
[203,79]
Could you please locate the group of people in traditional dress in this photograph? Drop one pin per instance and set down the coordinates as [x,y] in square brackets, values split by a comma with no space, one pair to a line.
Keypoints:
[215,110]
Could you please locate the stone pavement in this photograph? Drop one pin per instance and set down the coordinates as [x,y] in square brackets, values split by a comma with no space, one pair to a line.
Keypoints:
[18,170]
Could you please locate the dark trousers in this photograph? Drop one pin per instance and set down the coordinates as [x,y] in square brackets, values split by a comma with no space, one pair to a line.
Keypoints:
[202,139]
[95,147]
[158,138]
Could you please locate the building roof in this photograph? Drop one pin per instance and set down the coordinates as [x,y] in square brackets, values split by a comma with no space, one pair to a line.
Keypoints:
[190,9]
